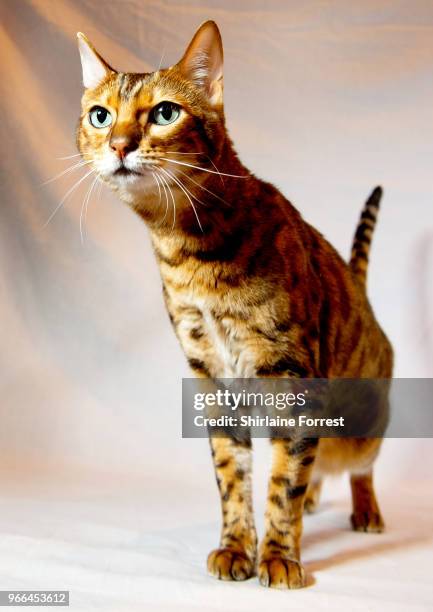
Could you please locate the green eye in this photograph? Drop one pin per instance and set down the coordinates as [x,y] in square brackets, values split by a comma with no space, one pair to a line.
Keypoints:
[165,113]
[99,117]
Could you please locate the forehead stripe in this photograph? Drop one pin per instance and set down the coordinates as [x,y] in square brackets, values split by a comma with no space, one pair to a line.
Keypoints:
[136,89]
[120,81]
[129,84]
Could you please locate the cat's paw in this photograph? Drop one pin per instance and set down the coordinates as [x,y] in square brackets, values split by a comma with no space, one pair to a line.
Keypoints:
[281,573]
[312,497]
[228,564]
[367,521]
[310,505]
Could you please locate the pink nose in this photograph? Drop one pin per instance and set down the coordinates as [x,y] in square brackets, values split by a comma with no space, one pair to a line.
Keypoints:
[122,146]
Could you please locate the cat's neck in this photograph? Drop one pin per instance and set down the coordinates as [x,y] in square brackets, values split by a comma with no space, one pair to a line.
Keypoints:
[211,208]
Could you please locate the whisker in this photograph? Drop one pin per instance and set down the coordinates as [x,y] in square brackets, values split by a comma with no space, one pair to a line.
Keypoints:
[207,157]
[172,161]
[80,164]
[66,196]
[185,153]
[157,179]
[204,188]
[159,188]
[81,216]
[220,175]
[100,185]
[84,208]
[186,193]
[144,157]
[174,176]
[69,156]
[172,198]
[160,61]
[163,183]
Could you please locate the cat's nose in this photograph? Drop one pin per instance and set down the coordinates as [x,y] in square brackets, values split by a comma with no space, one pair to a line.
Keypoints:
[123,145]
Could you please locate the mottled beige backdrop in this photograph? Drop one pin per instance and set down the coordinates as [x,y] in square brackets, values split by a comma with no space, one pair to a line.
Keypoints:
[324,98]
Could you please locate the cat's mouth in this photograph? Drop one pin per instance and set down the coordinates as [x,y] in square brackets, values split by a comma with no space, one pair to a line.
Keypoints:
[124,171]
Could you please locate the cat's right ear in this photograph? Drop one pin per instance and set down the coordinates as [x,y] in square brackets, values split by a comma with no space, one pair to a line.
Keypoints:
[95,68]
[202,62]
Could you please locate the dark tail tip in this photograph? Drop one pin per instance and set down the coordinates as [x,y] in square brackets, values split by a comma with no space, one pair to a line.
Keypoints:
[363,235]
[375,197]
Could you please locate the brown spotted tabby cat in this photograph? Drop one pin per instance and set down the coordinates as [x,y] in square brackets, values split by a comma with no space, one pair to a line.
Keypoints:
[250,287]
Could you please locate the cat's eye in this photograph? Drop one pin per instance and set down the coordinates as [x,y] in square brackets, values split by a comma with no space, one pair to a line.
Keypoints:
[99,117]
[165,113]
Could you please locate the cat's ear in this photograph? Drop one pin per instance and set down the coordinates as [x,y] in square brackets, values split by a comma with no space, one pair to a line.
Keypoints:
[202,62]
[95,69]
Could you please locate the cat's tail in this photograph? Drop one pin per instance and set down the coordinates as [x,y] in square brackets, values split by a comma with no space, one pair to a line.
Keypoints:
[364,232]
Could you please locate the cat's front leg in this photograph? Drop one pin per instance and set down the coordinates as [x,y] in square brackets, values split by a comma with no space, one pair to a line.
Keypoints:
[235,558]
[279,554]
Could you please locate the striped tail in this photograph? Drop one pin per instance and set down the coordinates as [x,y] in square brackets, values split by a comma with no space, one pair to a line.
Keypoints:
[363,235]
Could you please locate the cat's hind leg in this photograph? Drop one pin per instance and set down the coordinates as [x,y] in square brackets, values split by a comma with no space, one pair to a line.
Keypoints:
[366,514]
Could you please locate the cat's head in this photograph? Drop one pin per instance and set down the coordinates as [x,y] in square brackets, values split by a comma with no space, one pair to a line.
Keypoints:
[142,131]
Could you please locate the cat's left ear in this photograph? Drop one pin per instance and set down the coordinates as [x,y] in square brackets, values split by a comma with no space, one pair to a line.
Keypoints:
[202,62]
[95,68]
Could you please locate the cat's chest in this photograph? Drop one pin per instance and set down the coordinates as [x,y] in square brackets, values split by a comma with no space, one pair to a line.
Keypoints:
[219,341]
[232,358]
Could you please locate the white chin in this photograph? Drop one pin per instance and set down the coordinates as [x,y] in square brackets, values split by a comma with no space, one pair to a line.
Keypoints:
[133,181]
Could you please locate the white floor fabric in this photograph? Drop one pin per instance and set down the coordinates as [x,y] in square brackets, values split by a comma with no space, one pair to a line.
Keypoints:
[141,544]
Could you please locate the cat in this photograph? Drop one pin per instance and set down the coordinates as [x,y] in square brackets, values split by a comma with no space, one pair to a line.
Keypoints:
[252,290]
